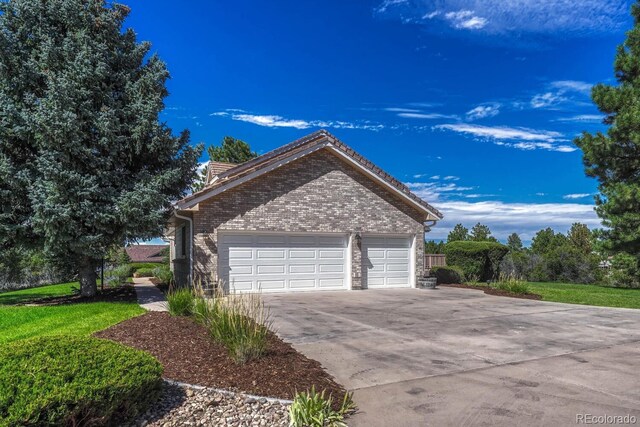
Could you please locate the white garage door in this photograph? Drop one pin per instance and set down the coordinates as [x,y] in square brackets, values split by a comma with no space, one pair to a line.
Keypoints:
[386,262]
[283,262]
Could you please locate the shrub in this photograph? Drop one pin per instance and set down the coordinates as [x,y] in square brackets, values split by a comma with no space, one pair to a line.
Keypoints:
[239,321]
[478,259]
[625,271]
[74,381]
[119,275]
[144,272]
[313,409]
[448,274]
[164,274]
[511,284]
[138,265]
[181,302]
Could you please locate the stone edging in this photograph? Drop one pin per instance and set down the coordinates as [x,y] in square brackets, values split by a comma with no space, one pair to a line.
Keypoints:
[228,392]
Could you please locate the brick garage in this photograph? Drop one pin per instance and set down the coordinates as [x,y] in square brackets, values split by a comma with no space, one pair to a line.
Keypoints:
[351,225]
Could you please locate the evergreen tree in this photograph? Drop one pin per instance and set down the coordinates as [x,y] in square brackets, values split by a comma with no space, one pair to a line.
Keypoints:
[232,150]
[481,233]
[432,247]
[514,242]
[614,158]
[85,163]
[581,238]
[459,232]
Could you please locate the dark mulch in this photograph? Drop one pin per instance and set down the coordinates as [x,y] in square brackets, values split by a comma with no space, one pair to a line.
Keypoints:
[190,355]
[499,292]
[123,293]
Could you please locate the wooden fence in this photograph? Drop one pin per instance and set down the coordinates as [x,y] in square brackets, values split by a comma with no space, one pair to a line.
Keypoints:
[434,260]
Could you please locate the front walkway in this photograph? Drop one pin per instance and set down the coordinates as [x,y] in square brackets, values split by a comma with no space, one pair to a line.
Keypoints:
[149,296]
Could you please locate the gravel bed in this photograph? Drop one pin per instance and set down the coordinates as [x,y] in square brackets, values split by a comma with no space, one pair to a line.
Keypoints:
[184,406]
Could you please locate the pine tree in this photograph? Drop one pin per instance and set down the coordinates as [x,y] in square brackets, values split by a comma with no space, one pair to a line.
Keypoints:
[85,163]
[614,158]
[514,242]
[231,150]
[481,233]
[459,232]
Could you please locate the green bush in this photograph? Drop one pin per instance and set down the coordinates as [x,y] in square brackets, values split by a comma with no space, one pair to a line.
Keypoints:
[138,265]
[119,275]
[49,381]
[144,272]
[163,273]
[239,321]
[313,409]
[477,259]
[447,275]
[181,302]
[625,271]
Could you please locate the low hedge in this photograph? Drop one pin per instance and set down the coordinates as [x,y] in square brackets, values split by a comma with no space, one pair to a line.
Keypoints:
[65,380]
[478,260]
[150,265]
[448,275]
[144,272]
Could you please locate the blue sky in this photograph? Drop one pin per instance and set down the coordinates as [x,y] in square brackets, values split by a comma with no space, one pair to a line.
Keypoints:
[473,104]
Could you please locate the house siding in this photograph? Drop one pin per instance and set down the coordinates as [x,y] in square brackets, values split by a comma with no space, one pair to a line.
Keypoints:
[316,193]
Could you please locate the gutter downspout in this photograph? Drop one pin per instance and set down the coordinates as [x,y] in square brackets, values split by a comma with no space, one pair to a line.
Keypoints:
[177,215]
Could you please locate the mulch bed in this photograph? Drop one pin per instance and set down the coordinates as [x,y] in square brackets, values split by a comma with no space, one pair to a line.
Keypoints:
[124,293]
[190,355]
[498,292]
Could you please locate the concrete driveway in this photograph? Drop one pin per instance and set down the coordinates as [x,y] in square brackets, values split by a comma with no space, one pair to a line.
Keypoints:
[460,357]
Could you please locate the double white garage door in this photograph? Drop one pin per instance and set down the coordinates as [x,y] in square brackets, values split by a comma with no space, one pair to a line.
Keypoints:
[301,262]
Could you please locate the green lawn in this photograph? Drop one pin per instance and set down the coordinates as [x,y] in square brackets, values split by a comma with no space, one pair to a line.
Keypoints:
[587,294]
[18,322]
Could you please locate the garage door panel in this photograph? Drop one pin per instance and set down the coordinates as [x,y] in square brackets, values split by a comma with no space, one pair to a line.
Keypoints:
[282,262]
[386,261]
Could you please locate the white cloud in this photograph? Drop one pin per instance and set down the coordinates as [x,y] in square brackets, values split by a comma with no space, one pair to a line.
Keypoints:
[401,110]
[483,111]
[547,99]
[432,191]
[541,194]
[505,218]
[576,196]
[572,85]
[465,19]
[520,138]
[584,118]
[435,177]
[451,178]
[561,17]
[275,121]
[427,116]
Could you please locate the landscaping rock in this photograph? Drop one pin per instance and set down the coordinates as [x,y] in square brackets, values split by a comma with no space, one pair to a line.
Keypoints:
[181,405]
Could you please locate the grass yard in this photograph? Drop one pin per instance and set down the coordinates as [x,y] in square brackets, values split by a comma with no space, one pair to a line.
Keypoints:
[18,322]
[587,294]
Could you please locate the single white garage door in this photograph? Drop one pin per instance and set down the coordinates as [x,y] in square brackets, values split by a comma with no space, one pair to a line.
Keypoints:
[283,262]
[386,261]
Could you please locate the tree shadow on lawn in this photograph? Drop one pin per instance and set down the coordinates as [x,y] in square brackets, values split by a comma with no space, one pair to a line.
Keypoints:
[123,293]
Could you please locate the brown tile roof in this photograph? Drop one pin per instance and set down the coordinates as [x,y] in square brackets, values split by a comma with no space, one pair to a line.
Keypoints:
[145,253]
[301,144]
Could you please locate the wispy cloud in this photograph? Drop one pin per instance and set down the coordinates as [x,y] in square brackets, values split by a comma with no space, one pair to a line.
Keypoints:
[483,111]
[427,116]
[520,138]
[401,110]
[582,118]
[576,196]
[433,191]
[561,91]
[520,17]
[505,218]
[275,121]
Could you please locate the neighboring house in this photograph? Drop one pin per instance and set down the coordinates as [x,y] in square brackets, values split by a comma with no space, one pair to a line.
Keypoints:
[146,253]
[310,215]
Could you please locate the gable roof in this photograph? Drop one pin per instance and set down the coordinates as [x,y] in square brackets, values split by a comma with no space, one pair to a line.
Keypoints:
[145,253]
[296,149]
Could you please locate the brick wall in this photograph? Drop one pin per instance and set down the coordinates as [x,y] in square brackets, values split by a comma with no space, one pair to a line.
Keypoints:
[317,193]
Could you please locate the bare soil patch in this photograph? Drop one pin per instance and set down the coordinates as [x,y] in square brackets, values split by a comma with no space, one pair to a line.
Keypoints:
[498,292]
[190,355]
